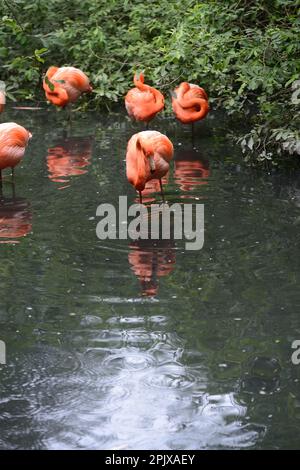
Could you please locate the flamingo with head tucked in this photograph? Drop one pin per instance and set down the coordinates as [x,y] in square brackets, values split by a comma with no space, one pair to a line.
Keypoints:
[64,85]
[148,157]
[13,142]
[189,103]
[143,102]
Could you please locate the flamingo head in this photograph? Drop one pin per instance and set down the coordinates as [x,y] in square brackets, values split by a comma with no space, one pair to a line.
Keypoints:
[144,162]
[59,97]
[55,93]
[147,151]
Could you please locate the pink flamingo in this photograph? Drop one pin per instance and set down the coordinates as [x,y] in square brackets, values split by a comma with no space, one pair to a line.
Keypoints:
[148,157]
[13,142]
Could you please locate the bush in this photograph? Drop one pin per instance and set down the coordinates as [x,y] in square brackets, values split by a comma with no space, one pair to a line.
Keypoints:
[244,52]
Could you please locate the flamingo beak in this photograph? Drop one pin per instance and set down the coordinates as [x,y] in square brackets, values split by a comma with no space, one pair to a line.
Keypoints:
[173,94]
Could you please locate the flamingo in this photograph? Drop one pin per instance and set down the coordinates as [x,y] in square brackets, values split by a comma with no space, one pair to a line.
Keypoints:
[64,85]
[148,157]
[13,141]
[143,102]
[189,103]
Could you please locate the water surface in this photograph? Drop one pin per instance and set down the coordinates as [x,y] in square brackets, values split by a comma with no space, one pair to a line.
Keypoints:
[122,344]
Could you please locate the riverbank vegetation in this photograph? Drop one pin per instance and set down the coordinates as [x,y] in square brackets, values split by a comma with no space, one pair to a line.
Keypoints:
[245,53]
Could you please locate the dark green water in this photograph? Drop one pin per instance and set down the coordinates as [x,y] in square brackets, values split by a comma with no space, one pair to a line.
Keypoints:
[93,362]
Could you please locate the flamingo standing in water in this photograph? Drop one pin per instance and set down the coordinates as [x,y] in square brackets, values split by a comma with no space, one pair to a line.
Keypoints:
[143,102]
[189,103]
[13,142]
[148,157]
[64,85]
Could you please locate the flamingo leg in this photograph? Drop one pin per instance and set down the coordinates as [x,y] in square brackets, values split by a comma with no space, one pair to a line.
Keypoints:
[69,115]
[0,175]
[12,172]
[162,190]
[141,199]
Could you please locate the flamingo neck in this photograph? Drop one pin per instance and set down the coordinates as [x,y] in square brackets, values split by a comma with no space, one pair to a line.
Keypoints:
[196,103]
[143,167]
[157,96]
[51,71]
[139,82]
[184,87]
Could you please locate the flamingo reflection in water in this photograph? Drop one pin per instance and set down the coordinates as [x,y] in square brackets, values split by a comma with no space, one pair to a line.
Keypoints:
[150,260]
[15,218]
[69,158]
[190,171]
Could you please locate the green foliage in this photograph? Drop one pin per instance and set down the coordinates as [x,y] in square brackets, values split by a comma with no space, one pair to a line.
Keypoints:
[244,52]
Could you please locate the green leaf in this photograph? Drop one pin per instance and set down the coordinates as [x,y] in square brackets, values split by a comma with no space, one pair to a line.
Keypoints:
[50,84]
[39,52]
[250,143]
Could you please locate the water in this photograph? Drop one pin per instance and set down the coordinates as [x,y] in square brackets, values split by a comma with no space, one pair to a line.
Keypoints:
[144,345]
